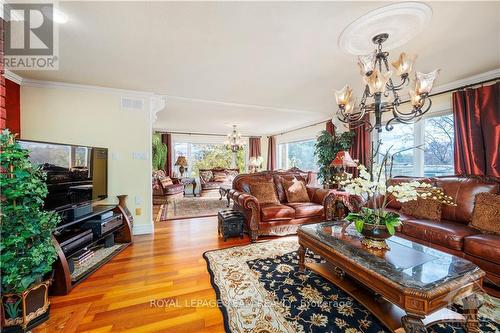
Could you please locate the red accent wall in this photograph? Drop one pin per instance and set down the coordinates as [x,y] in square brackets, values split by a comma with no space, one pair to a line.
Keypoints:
[13,107]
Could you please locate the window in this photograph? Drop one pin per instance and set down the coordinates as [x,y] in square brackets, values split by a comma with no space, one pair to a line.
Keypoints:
[430,144]
[207,156]
[298,154]
[438,153]
[400,142]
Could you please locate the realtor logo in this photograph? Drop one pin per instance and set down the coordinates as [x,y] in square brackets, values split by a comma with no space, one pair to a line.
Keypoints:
[30,36]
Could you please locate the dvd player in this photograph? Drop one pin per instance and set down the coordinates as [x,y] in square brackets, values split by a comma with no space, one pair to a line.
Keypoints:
[100,227]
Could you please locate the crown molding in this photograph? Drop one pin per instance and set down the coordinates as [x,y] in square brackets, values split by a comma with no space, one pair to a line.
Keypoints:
[84,87]
[471,80]
[240,105]
[13,77]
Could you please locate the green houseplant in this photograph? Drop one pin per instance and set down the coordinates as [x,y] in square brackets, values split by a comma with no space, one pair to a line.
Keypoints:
[27,250]
[326,148]
[159,152]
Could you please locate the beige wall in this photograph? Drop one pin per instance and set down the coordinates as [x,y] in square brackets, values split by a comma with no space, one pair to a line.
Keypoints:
[95,118]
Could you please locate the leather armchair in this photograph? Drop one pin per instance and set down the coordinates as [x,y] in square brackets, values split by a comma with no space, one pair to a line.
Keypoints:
[284,218]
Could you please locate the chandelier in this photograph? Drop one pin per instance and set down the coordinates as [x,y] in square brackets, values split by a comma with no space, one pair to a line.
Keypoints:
[233,141]
[381,95]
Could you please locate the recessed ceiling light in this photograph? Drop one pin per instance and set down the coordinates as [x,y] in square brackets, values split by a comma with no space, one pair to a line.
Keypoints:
[55,15]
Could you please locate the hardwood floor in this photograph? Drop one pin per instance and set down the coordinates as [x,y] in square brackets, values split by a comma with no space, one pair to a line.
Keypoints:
[159,284]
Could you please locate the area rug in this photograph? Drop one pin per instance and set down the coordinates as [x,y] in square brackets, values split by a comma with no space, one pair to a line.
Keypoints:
[189,207]
[260,289]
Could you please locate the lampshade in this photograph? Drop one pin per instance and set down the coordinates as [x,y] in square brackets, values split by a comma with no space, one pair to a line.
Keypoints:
[425,82]
[376,81]
[366,63]
[343,96]
[343,159]
[404,64]
[181,161]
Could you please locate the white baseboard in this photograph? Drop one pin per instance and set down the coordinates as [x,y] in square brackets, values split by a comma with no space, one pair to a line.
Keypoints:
[143,229]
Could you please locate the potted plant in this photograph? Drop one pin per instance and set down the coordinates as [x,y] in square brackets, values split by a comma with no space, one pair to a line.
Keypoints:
[376,223]
[27,250]
[326,148]
[159,152]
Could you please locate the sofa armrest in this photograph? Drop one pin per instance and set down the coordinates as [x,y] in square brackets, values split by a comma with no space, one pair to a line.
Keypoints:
[324,197]
[250,207]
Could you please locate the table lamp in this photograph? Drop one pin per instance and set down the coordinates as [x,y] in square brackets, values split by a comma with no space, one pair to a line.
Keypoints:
[182,163]
[342,160]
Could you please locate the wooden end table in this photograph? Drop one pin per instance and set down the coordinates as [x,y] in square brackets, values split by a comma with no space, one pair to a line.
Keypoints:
[224,193]
[187,181]
[408,287]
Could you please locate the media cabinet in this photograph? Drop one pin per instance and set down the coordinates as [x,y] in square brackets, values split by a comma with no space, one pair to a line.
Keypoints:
[64,279]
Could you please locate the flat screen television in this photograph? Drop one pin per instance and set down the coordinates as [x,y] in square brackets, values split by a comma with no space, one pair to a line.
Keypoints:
[76,175]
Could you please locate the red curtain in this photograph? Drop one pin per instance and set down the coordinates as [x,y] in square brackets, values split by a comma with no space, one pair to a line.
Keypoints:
[330,127]
[360,149]
[254,147]
[167,139]
[271,153]
[477,131]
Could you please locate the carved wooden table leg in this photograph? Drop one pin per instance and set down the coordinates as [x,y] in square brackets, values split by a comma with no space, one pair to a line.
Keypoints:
[302,258]
[413,324]
[471,306]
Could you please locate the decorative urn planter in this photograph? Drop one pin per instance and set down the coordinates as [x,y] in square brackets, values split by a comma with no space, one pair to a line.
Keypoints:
[22,312]
[375,235]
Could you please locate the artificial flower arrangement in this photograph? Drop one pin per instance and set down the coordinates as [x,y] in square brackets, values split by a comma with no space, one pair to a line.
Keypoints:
[377,223]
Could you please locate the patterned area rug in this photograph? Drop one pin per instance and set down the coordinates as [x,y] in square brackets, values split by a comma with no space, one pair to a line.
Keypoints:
[259,289]
[189,207]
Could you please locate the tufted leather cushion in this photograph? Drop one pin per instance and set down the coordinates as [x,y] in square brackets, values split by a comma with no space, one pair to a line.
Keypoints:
[265,193]
[483,246]
[295,191]
[272,212]
[306,209]
[486,216]
[463,190]
[446,233]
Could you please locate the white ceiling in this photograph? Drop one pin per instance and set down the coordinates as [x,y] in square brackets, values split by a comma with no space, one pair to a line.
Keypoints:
[264,66]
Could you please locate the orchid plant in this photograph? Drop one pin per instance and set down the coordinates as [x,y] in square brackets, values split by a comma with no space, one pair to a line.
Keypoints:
[372,185]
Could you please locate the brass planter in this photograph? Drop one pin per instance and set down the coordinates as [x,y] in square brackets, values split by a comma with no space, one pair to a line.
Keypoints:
[374,236]
[21,312]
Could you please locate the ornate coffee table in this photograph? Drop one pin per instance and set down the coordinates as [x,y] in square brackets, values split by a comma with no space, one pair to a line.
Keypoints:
[410,286]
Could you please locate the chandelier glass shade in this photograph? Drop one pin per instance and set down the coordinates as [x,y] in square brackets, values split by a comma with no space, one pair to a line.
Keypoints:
[233,141]
[381,94]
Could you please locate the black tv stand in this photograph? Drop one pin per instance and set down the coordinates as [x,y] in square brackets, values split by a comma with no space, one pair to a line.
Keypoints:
[64,280]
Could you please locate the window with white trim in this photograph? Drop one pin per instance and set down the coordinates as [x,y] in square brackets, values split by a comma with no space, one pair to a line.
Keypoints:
[298,154]
[425,148]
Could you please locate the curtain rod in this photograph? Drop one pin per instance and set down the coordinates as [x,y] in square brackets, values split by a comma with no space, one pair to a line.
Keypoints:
[406,101]
[202,134]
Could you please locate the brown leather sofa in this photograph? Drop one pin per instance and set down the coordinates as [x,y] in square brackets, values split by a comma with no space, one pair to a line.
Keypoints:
[285,218]
[453,234]
[212,179]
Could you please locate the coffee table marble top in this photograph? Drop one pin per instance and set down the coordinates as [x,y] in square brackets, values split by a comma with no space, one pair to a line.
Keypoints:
[407,263]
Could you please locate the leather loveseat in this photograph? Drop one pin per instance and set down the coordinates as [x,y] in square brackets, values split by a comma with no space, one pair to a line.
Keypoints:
[453,233]
[283,218]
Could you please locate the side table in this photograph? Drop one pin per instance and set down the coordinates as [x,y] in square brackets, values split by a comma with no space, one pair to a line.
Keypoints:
[187,181]
[342,204]
[224,192]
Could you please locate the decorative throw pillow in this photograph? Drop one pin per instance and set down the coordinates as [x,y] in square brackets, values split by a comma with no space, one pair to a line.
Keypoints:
[295,191]
[265,193]
[220,176]
[206,175]
[486,215]
[423,209]
[166,181]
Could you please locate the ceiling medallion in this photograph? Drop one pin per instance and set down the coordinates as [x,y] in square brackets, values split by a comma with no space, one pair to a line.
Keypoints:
[402,21]
[381,94]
